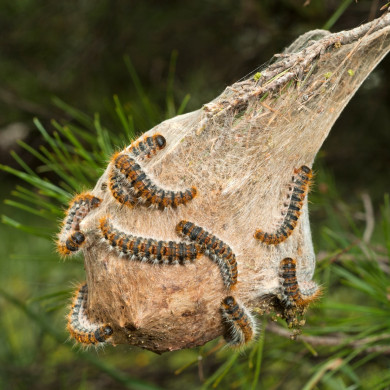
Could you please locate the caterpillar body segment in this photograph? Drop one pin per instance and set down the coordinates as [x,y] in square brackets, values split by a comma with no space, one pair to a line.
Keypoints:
[71,238]
[150,194]
[72,244]
[147,249]
[135,180]
[80,327]
[301,185]
[120,188]
[240,323]
[216,249]
[294,294]
[148,146]
[78,209]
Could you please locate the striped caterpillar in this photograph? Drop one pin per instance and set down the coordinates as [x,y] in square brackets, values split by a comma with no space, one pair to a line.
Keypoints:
[147,249]
[301,185]
[118,183]
[80,327]
[215,248]
[241,325]
[120,188]
[129,184]
[147,147]
[71,238]
[293,293]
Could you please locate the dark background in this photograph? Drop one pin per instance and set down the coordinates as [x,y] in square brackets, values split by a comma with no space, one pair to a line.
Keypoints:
[74,50]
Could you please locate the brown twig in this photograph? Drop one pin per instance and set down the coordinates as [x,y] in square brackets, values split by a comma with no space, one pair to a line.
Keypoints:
[336,340]
[336,257]
[294,64]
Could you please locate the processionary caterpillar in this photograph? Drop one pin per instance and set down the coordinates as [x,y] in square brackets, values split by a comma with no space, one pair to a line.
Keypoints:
[292,294]
[241,325]
[147,147]
[301,184]
[147,249]
[215,248]
[71,238]
[120,188]
[136,181]
[129,183]
[80,327]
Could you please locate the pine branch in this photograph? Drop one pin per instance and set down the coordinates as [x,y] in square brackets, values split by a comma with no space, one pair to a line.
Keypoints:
[240,152]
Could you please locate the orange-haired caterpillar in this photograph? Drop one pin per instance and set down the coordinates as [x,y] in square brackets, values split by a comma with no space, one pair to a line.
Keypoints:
[80,327]
[241,325]
[120,187]
[71,238]
[127,177]
[301,185]
[147,249]
[78,209]
[72,244]
[215,248]
[292,294]
[147,146]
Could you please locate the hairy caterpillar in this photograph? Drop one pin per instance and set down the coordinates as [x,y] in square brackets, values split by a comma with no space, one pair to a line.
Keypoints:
[292,294]
[129,183]
[120,189]
[301,185]
[71,238]
[241,325]
[134,178]
[80,327]
[72,244]
[147,249]
[148,146]
[78,209]
[215,248]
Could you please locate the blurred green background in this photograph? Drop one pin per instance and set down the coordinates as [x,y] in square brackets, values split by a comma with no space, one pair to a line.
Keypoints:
[159,58]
